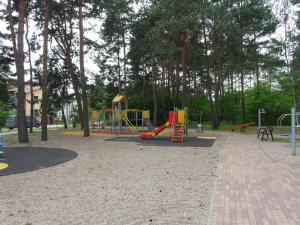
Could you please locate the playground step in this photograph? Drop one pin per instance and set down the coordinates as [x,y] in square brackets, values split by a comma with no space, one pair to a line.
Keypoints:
[177,136]
[176,140]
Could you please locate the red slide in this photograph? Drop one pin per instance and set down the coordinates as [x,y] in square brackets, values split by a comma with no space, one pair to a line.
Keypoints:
[172,119]
[150,135]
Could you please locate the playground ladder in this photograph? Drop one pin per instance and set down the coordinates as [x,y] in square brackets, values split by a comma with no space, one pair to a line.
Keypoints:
[178,133]
[131,126]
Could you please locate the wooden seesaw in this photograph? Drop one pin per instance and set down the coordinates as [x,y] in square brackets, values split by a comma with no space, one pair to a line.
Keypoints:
[243,126]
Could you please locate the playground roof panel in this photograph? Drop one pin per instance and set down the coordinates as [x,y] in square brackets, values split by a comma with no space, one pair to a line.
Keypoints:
[134,110]
[119,98]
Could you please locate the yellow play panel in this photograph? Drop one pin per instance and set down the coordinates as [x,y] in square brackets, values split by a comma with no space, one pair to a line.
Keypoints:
[3,166]
[207,138]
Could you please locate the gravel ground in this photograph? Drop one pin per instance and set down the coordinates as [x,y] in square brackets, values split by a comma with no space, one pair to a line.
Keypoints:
[113,183]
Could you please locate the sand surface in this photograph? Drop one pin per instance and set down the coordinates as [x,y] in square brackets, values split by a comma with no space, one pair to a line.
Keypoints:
[114,183]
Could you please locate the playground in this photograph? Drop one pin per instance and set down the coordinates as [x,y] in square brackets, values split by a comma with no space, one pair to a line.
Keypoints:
[128,172]
[115,182]
[125,180]
[131,172]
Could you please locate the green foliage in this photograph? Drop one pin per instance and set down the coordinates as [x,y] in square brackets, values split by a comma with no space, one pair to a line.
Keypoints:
[97,95]
[225,41]
[4,96]
[275,103]
[3,114]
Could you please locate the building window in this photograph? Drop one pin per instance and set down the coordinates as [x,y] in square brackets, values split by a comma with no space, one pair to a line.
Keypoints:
[35,99]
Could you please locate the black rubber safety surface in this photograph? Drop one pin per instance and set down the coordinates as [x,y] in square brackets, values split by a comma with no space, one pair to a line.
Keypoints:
[25,159]
[165,141]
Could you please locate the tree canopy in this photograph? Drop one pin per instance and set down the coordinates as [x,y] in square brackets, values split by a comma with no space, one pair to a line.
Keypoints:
[226,58]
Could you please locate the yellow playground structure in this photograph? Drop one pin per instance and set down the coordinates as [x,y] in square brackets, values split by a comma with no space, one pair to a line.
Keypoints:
[121,120]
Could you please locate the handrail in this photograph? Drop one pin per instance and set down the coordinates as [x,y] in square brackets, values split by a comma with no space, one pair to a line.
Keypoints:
[280,118]
[182,132]
[130,125]
[172,131]
[129,122]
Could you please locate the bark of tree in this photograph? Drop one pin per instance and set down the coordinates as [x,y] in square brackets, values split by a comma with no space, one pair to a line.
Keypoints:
[242,67]
[233,118]
[195,82]
[255,48]
[63,110]
[177,82]
[62,38]
[208,77]
[173,83]
[85,115]
[169,74]
[183,56]
[119,73]
[64,116]
[19,60]
[75,84]
[144,85]
[31,76]
[154,90]
[22,129]
[242,79]
[124,64]
[12,31]
[217,87]
[44,120]
[163,93]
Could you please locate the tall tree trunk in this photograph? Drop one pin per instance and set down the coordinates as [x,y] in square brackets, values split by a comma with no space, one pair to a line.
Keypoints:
[183,56]
[233,118]
[163,93]
[75,84]
[86,131]
[195,81]
[217,72]
[169,74]
[62,101]
[63,110]
[119,73]
[242,66]
[44,120]
[64,117]
[31,75]
[174,83]
[256,66]
[242,94]
[154,90]
[124,64]
[12,31]
[214,122]
[21,117]
[177,82]
[144,86]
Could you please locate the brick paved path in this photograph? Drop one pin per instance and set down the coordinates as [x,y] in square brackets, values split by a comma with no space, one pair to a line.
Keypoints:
[253,189]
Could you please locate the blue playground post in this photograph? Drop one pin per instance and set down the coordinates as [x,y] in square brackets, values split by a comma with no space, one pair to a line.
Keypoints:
[1,142]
